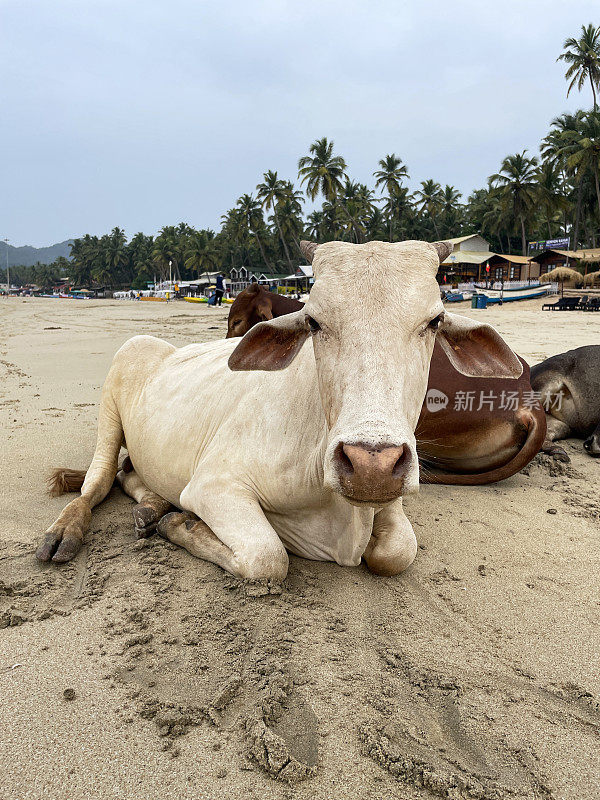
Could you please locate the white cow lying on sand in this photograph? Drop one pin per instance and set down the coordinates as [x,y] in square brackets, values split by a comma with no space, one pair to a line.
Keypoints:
[313,449]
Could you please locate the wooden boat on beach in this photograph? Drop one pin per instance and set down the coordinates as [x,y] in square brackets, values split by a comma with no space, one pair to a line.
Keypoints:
[511,295]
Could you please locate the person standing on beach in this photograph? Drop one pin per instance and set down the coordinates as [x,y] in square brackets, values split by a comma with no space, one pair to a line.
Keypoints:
[221,286]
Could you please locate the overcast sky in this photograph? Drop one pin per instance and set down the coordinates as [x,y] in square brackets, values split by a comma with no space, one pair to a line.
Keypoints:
[141,113]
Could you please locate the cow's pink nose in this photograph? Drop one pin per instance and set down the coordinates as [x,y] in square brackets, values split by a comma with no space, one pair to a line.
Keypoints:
[371,473]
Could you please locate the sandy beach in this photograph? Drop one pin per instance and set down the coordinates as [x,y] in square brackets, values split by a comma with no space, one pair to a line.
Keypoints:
[137,672]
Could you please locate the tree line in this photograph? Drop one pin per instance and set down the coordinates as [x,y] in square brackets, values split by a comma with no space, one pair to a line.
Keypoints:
[555,193]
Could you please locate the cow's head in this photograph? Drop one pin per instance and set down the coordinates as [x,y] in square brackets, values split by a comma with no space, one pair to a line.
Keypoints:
[373,314]
[250,307]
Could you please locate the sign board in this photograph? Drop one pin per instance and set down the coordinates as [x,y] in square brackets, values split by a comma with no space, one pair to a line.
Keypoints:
[534,246]
[550,244]
[562,244]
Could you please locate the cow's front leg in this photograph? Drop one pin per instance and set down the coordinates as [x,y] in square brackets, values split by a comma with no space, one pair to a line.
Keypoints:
[232,532]
[150,506]
[393,544]
[592,443]
[555,429]
[187,531]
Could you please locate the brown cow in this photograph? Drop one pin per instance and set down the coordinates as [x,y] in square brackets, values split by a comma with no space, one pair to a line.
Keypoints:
[471,431]
[255,304]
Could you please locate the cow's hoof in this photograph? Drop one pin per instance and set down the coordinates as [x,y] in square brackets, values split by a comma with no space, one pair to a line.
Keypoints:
[58,547]
[145,519]
[173,520]
[558,453]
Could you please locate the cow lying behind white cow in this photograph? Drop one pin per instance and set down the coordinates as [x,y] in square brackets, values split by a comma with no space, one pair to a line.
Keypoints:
[276,443]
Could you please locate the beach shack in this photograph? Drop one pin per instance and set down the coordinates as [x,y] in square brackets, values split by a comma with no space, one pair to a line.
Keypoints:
[507,267]
[550,258]
[300,281]
[241,277]
[467,261]
[198,286]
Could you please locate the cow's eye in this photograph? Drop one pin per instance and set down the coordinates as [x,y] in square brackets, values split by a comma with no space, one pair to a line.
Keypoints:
[314,325]
[436,322]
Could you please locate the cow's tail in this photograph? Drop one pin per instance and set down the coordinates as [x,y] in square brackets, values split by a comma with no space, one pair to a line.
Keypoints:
[536,433]
[62,481]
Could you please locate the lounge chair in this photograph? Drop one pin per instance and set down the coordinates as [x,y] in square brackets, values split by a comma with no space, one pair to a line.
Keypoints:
[593,304]
[560,305]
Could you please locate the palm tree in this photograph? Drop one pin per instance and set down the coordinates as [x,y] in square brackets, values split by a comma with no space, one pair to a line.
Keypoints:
[557,146]
[44,275]
[289,212]
[86,255]
[390,175]
[165,250]
[251,220]
[61,266]
[332,216]
[583,57]
[430,198]
[315,227]
[376,225]
[116,254]
[515,186]
[551,192]
[488,215]
[201,255]
[584,150]
[449,199]
[398,207]
[354,208]
[452,210]
[352,220]
[553,143]
[272,192]
[140,258]
[103,275]
[322,171]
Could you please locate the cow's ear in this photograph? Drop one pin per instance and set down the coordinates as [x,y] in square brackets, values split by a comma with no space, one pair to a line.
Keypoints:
[264,311]
[477,349]
[271,345]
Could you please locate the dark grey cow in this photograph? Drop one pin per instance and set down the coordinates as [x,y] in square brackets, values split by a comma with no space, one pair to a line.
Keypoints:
[569,385]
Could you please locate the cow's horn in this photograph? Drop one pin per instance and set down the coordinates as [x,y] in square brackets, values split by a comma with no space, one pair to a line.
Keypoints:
[443,250]
[308,250]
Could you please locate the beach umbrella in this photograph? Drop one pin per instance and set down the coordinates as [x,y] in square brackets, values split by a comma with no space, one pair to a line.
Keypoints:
[592,277]
[562,274]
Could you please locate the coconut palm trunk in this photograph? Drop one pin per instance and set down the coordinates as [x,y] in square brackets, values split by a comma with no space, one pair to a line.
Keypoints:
[262,251]
[283,242]
[597,186]
[577,214]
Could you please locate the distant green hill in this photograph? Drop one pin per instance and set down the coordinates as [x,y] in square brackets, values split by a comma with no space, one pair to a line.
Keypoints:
[27,256]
